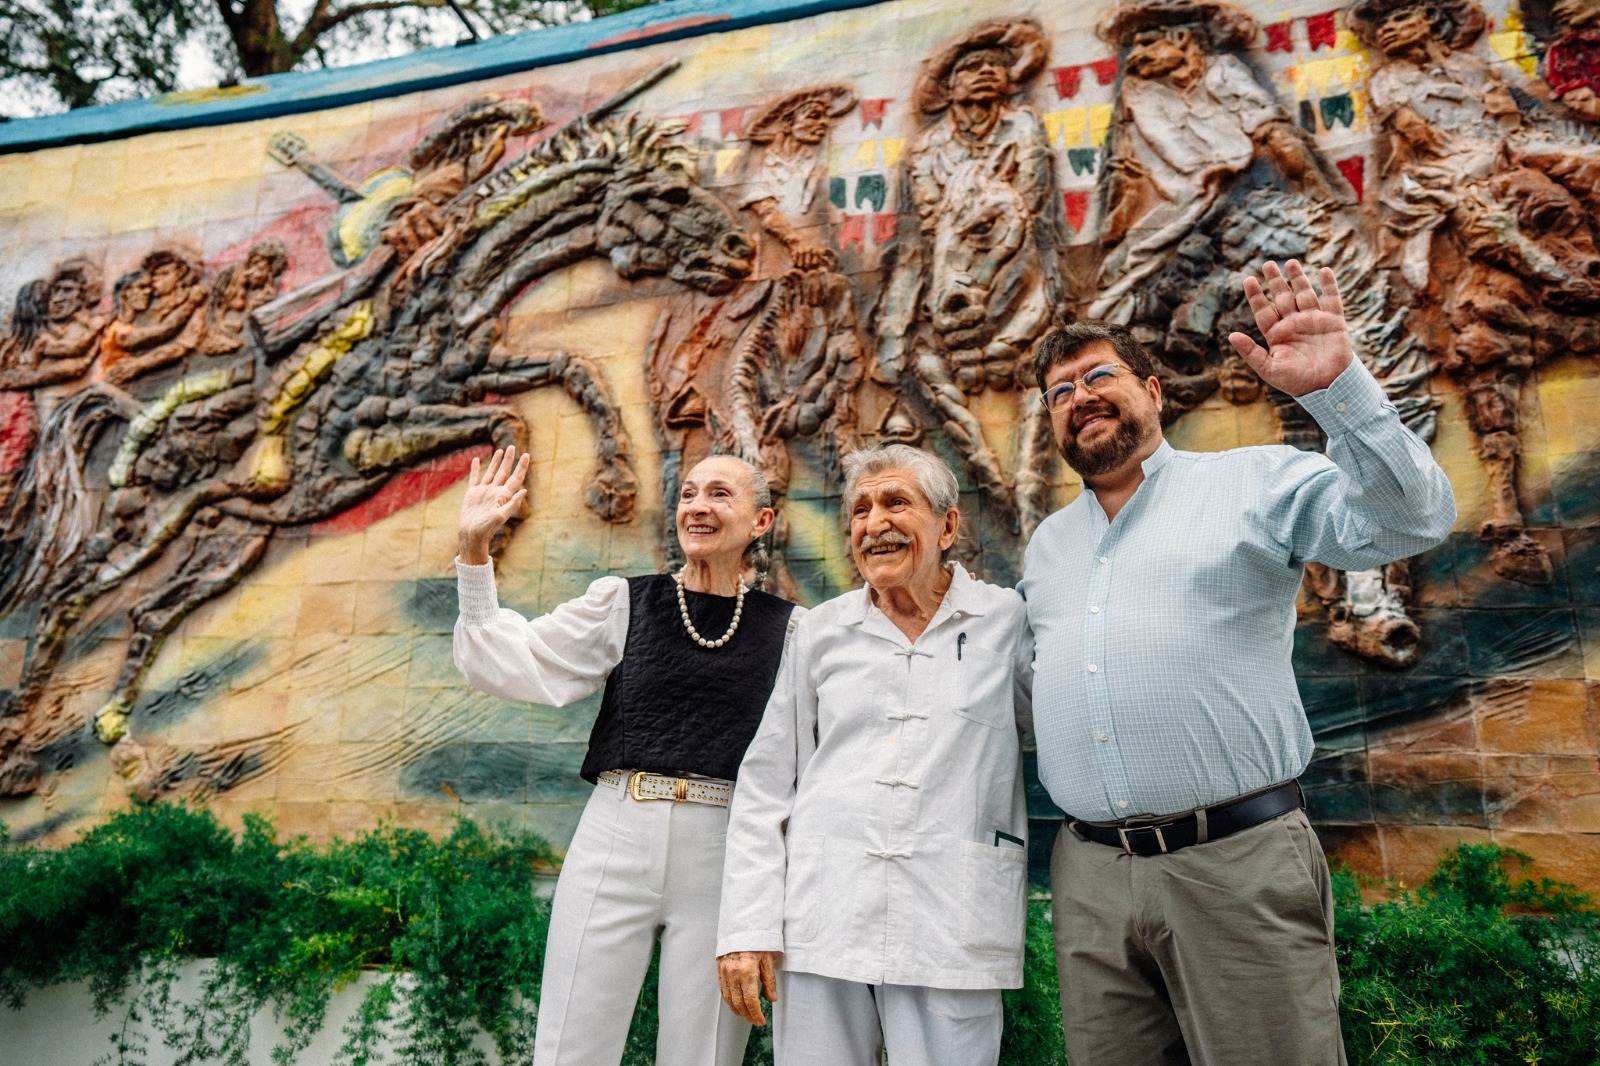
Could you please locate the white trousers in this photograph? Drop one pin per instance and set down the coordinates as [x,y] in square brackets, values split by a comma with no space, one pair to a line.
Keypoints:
[822,1021]
[637,869]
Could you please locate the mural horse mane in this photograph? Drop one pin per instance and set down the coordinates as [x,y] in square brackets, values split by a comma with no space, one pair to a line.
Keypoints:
[989,297]
[405,363]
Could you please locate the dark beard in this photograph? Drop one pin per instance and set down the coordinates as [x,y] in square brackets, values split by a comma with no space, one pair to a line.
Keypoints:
[1109,454]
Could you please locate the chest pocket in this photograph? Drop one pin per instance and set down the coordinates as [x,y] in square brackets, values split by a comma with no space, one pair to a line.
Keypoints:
[983,687]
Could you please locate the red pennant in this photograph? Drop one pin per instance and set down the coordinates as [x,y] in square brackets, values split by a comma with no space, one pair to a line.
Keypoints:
[1278,36]
[1354,170]
[872,111]
[732,123]
[691,124]
[1322,30]
[883,227]
[1077,204]
[1105,71]
[852,230]
[1067,81]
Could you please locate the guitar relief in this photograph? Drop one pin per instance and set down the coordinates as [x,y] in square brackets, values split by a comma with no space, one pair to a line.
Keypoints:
[363,209]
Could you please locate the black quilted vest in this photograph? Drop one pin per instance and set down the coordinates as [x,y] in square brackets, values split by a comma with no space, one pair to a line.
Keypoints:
[673,707]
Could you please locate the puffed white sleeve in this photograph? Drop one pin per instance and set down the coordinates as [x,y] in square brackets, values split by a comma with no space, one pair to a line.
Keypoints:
[555,659]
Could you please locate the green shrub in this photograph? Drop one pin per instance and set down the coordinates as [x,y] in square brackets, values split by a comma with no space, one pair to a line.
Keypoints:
[1481,964]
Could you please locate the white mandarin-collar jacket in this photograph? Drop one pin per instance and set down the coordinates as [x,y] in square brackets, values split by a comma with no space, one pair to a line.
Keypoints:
[862,842]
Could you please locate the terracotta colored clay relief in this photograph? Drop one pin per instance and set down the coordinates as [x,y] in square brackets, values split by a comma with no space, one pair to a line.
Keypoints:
[778,359]
[231,412]
[1208,177]
[1493,222]
[978,275]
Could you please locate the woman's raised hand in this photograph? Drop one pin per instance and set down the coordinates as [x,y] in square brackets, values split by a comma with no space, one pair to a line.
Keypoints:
[494,495]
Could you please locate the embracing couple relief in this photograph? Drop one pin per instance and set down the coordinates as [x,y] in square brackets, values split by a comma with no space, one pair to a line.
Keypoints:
[827,806]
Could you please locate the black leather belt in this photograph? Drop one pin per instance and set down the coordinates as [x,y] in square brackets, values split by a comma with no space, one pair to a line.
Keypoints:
[1159,836]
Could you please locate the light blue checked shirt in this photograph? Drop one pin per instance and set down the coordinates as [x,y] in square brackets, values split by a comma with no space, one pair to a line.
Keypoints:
[1162,640]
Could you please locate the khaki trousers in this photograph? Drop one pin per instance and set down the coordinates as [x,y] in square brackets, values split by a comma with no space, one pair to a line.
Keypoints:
[1220,954]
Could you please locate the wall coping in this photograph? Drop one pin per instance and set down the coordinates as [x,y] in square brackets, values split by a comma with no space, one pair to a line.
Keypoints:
[276,95]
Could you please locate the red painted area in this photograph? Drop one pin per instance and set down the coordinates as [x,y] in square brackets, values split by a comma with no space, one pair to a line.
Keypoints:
[1105,70]
[883,227]
[1280,36]
[404,490]
[852,230]
[872,111]
[1067,81]
[1323,30]
[731,121]
[657,29]
[16,430]
[1354,170]
[1077,205]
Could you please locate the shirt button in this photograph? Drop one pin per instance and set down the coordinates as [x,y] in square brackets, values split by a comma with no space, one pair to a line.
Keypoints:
[1122,805]
[1104,560]
[1340,406]
[1105,737]
[1093,669]
[1095,609]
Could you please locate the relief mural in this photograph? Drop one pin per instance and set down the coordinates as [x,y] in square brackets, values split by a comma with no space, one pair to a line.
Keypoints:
[228,479]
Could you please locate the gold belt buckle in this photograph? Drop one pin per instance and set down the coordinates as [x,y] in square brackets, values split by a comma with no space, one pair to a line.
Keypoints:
[680,788]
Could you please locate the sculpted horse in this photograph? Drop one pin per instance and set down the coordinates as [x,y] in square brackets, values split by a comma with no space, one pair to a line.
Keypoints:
[401,361]
[988,295]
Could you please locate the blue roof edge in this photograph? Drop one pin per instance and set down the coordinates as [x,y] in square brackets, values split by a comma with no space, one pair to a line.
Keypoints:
[275,95]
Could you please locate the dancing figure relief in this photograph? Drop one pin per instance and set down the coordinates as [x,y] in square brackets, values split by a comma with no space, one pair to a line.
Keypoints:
[978,276]
[778,360]
[1491,213]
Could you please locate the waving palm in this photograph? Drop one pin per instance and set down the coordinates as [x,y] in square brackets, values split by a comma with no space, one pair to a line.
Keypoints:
[1307,342]
[492,498]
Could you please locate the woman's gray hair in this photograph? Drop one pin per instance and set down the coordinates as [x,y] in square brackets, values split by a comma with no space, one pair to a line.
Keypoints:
[760,488]
[933,474]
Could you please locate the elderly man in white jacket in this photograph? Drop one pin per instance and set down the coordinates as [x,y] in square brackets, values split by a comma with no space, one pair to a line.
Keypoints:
[876,845]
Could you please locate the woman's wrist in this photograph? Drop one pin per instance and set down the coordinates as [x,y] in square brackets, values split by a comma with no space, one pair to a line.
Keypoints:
[472,551]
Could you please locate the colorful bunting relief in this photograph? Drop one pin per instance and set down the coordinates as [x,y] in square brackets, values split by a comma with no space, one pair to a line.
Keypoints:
[1077,205]
[1279,36]
[732,123]
[883,227]
[1354,170]
[1067,81]
[872,111]
[1105,70]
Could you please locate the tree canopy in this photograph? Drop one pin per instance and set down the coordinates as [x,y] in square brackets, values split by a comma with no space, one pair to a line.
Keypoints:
[59,54]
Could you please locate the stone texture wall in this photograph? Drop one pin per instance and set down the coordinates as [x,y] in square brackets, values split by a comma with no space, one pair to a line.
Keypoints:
[246,367]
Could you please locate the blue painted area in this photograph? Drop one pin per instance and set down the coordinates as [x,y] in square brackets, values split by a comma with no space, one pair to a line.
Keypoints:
[287,94]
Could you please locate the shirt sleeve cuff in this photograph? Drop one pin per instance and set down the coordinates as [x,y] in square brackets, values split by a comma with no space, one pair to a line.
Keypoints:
[475,592]
[750,940]
[1354,398]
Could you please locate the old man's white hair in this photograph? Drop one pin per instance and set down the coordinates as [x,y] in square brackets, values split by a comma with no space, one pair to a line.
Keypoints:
[933,474]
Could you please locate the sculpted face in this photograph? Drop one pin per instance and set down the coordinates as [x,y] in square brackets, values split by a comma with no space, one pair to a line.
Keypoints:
[811,123]
[717,512]
[166,278]
[895,534]
[136,296]
[66,298]
[1099,431]
[1171,51]
[980,77]
[1406,28]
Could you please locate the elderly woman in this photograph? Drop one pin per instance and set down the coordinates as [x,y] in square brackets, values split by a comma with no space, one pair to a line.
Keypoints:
[876,849]
[687,661]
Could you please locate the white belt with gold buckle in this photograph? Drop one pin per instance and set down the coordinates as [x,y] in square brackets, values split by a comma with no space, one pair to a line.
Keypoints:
[647,786]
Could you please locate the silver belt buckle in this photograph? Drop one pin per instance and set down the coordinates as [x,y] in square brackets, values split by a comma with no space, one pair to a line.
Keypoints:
[1122,835]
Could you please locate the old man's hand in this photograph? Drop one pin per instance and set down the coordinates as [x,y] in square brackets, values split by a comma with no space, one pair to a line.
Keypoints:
[743,975]
[1308,344]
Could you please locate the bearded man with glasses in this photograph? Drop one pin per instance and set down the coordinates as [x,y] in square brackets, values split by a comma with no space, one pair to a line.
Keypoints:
[1193,917]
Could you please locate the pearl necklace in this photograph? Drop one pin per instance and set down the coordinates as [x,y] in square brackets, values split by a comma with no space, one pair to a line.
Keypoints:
[683,611]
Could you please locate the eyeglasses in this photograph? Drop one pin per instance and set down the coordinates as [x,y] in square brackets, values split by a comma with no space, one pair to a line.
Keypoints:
[1096,381]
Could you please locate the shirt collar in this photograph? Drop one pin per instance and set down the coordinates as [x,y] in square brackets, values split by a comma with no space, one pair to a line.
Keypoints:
[962,597]
[1158,458]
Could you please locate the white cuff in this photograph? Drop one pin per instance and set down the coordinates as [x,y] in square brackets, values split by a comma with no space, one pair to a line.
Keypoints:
[476,595]
[1353,399]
